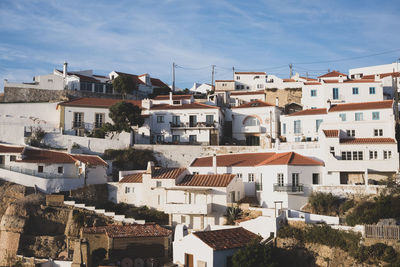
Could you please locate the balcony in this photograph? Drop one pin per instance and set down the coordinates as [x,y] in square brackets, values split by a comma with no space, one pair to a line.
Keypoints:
[288,188]
[251,129]
[197,125]
[182,208]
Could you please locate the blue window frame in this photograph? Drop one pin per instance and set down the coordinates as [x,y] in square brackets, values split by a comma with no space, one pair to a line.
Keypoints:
[375,115]
[358,116]
[297,127]
[313,92]
[355,90]
[372,90]
[342,116]
[317,124]
[335,93]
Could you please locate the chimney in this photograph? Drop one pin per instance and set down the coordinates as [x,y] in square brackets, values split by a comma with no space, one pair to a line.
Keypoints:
[150,166]
[376,77]
[65,69]
[329,104]
[214,163]
[170,98]
[277,101]
[340,78]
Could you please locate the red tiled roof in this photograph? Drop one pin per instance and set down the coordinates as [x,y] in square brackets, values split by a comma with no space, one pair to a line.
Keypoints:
[89,160]
[97,102]
[315,111]
[208,180]
[331,81]
[248,93]
[382,75]
[11,149]
[255,104]
[288,80]
[331,133]
[362,106]
[134,77]
[193,105]
[167,173]
[332,74]
[251,72]
[290,158]
[312,83]
[132,178]
[355,141]
[174,97]
[243,159]
[132,230]
[224,81]
[308,79]
[361,81]
[157,82]
[101,76]
[227,238]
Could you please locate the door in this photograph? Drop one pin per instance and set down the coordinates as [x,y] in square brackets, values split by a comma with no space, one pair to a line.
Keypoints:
[2,160]
[295,179]
[192,120]
[252,140]
[188,260]
[335,93]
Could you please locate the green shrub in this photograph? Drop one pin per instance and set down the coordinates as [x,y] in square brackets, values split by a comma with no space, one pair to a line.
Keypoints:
[254,254]
[232,214]
[323,203]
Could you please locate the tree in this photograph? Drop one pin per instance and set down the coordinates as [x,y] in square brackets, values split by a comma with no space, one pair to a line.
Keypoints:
[255,254]
[124,84]
[124,115]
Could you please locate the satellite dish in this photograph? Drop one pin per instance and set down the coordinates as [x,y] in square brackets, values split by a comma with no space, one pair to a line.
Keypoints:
[127,262]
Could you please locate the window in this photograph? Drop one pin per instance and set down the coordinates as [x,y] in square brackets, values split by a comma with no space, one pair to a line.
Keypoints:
[78,119]
[313,107]
[158,184]
[283,128]
[260,86]
[355,90]
[352,155]
[60,169]
[175,138]
[237,77]
[176,121]
[160,119]
[351,133]
[332,150]
[195,173]
[237,87]
[342,116]
[335,93]
[297,139]
[98,88]
[295,179]
[209,119]
[387,154]
[251,177]
[313,92]
[252,121]
[160,138]
[373,154]
[192,120]
[99,120]
[317,124]
[40,169]
[346,155]
[109,88]
[315,178]
[297,127]
[239,175]
[176,102]
[378,132]
[183,220]
[280,179]
[86,86]
[372,90]
[192,139]
[375,115]
[127,190]
[13,158]
[358,116]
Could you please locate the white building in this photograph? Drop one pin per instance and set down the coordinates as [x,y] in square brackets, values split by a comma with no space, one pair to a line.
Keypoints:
[193,199]
[252,81]
[211,248]
[201,88]
[238,98]
[50,171]
[296,81]
[358,73]
[256,123]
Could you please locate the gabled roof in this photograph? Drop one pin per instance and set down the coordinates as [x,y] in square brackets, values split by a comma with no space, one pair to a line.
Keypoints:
[251,72]
[174,97]
[314,111]
[312,83]
[134,77]
[290,158]
[288,80]
[255,104]
[242,159]
[356,141]
[207,180]
[193,105]
[226,238]
[382,75]
[131,230]
[331,133]
[97,102]
[332,74]
[11,149]
[362,106]
[83,78]
[247,93]
[157,82]
[308,79]
[167,173]
[132,178]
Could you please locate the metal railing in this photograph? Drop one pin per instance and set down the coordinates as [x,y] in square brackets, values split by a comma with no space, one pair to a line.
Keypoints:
[37,174]
[288,188]
[193,125]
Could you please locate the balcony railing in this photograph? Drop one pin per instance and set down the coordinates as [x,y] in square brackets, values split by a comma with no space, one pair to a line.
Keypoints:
[38,174]
[193,125]
[288,188]
[82,125]
[251,129]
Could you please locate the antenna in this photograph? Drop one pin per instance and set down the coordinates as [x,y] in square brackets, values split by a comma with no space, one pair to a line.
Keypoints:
[173,76]
[291,70]
[212,76]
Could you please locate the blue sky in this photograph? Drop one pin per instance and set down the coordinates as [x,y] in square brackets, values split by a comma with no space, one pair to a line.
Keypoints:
[147,36]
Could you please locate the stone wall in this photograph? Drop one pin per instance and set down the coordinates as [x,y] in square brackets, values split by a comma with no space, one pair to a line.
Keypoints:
[285,96]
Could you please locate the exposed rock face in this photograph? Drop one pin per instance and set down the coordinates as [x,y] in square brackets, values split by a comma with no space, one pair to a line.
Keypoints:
[285,96]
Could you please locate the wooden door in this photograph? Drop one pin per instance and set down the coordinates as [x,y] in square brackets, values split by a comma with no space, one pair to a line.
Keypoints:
[188,260]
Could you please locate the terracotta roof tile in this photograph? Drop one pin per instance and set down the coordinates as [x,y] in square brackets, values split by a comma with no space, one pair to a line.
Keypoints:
[227,238]
[157,82]
[97,102]
[89,160]
[315,111]
[11,149]
[251,72]
[382,75]
[312,83]
[167,173]
[132,178]
[174,97]
[362,106]
[247,93]
[133,230]
[193,105]
[355,141]
[332,74]
[134,77]
[308,79]
[288,80]
[361,81]
[255,104]
[242,159]
[331,133]
[208,180]
[290,158]
[224,81]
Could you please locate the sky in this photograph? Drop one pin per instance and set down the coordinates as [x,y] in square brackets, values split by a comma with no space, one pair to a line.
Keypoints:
[148,36]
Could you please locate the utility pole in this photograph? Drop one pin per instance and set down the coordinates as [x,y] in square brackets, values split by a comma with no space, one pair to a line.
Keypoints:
[291,70]
[212,76]
[233,73]
[396,96]
[173,77]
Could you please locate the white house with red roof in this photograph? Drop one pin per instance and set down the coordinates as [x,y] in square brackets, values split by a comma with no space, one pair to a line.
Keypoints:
[50,171]
[296,81]
[256,123]
[250,80]
[238,98]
